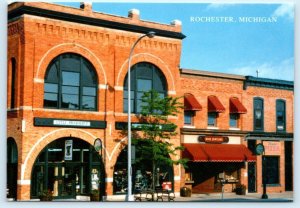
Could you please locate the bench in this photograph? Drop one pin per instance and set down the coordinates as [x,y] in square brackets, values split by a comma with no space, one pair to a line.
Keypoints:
[162,194]
[143,196]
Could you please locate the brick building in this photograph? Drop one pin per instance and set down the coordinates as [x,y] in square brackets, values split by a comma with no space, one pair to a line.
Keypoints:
[67,86]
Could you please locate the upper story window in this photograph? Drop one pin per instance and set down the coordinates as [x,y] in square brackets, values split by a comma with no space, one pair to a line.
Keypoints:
[235,108]
[70,83]
[13,83]
[214,107]
[144,77]
[258,114]
[280,115]
[191,105]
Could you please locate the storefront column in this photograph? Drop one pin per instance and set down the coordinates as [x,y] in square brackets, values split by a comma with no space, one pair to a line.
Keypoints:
[23,192]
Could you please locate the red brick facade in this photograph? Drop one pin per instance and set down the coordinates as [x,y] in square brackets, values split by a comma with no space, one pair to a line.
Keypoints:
[34,41]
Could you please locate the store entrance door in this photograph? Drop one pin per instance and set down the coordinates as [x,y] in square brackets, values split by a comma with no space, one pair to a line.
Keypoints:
[63,179]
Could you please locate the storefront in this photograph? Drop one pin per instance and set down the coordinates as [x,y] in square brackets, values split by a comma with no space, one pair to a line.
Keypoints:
[215,161]
[146,173]
[68,168]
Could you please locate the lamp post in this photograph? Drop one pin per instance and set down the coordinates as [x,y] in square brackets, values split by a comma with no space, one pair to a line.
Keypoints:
[260,150]
[130,197]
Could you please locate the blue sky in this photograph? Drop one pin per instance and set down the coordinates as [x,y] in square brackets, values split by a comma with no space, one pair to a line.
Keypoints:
[230,47]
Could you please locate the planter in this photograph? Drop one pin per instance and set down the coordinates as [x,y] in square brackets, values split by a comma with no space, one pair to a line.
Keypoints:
[240,191]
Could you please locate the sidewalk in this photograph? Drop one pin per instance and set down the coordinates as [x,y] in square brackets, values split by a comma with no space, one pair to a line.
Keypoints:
[232,197]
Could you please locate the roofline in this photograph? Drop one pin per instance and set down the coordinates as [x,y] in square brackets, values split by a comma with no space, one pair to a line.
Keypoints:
[22,9]
[212,74]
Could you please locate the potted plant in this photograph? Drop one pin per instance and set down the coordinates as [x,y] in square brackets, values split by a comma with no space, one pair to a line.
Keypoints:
[95,195]
[240,189]
[46,195]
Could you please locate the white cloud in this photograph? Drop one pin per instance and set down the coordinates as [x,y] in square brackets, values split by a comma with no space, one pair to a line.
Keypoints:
[283,70]
[284,10]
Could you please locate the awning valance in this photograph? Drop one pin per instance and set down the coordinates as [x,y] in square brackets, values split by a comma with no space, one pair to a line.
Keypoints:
[191,103]
[218,153]
[236,106]
[214,105]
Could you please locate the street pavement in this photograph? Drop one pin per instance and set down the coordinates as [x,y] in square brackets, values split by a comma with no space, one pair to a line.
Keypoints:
[232,197]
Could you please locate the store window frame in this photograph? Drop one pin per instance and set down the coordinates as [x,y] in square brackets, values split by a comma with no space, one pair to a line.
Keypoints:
[234,120]
[71,77]
[143,71]
[212,119]
[281,125]
[189,118]
[271,173]
[258,107]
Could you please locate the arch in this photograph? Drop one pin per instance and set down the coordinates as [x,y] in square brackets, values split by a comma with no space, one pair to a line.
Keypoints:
[71,83]
[67,166]
[71,48]
[42,142]
[12,168]
[147,57]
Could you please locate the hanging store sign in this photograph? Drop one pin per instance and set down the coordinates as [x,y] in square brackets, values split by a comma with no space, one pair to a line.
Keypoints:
[68,149]
[69,123]
[272,148]
[213,139]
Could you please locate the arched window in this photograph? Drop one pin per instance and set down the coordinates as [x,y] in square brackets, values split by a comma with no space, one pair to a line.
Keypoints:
[280,115]
[13,83]
[144,77]
[70,83]
[258,114]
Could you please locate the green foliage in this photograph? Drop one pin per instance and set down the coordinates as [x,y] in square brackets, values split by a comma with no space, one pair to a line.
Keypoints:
[157,129]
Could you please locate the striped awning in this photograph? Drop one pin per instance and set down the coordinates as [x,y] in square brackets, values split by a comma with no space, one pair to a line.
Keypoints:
[236,106]
[214,105]
[218,153]
[191,103]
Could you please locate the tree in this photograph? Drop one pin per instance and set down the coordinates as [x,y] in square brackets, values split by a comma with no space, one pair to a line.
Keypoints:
[156,131]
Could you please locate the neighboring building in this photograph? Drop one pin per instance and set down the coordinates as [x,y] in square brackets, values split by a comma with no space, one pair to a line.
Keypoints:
[67,86]
[223,115]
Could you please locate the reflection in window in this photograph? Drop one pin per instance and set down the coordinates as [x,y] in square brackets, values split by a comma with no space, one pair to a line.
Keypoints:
[144,77]
[234,120]
[258,114]
[70,83]
[212,119]
[280,115]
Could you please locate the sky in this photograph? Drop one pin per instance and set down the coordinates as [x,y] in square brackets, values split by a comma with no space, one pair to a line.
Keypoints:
[257,37]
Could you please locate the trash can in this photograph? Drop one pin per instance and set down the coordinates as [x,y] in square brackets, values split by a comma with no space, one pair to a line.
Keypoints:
[185,192]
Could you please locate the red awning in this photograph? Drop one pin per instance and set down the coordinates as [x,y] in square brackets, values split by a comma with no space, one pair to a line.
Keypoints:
[218,153]
[191,103]
[214,105]
[236,106]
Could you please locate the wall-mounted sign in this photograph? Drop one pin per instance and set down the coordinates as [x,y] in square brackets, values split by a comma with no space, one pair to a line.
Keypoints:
[259,149]
[68,149]
[272,147]
[213,139]
[69,123]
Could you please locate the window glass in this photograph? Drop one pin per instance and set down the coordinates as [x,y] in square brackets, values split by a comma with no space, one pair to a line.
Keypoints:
[88,102]
[258,114]
[89,91]
[233,120]
[70,90]
[280,115]
[144,77]
[144,85]
[72,79]
[212,119]
[52,73]
[51,87]
[188,116]
[271,169]
[70,101]
[50,100]
[69,62]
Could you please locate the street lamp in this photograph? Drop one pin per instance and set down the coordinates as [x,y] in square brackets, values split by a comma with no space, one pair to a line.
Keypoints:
[130,197]
[260,150]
